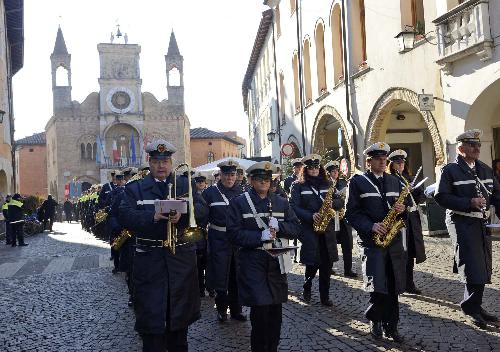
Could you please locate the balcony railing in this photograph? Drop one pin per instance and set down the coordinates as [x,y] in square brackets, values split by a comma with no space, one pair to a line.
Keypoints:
[108,163]
[464,31]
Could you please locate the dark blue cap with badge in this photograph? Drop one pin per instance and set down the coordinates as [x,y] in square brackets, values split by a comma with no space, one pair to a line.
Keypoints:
[263,168]
[160,149]
[228,166]
[377,149]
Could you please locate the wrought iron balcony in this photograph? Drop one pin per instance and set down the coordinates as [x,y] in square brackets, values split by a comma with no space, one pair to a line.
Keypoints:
[464,31]
[109,163]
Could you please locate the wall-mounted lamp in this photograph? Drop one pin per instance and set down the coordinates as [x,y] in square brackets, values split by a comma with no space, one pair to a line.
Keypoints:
[406,39]
[271,136]
[2,114]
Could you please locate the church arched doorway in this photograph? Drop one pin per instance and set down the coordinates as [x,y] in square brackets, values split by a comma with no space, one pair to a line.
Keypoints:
[397,120]
[86,186]
[330,138]
[122,146]
[484,114]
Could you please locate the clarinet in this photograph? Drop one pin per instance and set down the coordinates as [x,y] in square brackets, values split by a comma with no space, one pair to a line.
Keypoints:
[479,193]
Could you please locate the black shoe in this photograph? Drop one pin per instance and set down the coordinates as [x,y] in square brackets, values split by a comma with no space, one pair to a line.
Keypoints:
[414,290]
[307,295]
[327,302]
[393,334]
[221,317]
[376,329]
[487,316]
[110,258]
[238,317]
[14,244]
[23,244]
[476,319]
[7,243]
[351,274]
[333,272]
[114,271]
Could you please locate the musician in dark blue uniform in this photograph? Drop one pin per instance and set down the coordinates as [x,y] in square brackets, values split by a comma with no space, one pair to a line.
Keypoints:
[200,184]
[319,250]
[105,191]
[222,255]
[467,188]
[415,247]
[166,297]
[112,221]
[344,231]
[297,166]
[370,197]
[255,220]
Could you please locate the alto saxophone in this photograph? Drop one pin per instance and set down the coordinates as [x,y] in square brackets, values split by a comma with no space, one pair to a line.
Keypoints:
[391,222]
[326,212]
[120,240]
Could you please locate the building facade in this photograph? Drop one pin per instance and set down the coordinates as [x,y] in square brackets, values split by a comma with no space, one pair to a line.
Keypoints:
[11,61]
[346,78]
[110,128]
[208,146]
[31,165]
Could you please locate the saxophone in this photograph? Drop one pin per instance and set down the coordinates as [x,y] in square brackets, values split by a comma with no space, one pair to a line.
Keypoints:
[326,212]
[391,222]
[120,240]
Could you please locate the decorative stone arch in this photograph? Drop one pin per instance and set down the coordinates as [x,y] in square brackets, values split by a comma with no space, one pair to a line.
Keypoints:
[385,105]
[318,137]
[86,178]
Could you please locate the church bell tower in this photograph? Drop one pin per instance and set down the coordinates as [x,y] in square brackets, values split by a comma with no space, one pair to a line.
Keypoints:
[175,75]
[61,74]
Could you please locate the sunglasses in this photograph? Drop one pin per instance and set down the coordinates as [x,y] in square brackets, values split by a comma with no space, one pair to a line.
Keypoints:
[312,167]
[229,174]
[261,178]
[473,144]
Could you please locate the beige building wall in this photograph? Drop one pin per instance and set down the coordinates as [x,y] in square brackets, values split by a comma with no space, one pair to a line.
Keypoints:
[31,163]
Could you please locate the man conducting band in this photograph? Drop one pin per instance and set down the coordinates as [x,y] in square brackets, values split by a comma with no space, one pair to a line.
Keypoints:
[256,221]
[370,198]
[466,189]
[166,285]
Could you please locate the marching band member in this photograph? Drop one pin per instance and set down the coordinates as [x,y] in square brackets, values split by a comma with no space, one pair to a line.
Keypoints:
[370,198]
[344,235]
[112,221]
[467,189]
[297,166]
[166,296]
[255,219]
[200,184]
[222,259]
[318,251]
[415,239]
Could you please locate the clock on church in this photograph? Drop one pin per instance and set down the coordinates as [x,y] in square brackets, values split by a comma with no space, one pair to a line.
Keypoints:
[120,100]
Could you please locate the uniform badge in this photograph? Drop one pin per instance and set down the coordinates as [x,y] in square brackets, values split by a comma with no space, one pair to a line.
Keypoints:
[161,148]
[267,166]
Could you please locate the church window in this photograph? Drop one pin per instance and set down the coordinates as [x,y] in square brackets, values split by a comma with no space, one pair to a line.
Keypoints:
[31,150]
[209,143]
[174,77]
[89,151]
[95,151]
[62,77]
[82,151]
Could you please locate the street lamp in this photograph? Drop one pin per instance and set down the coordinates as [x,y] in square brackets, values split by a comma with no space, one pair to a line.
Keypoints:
[2,114]
[406,39]
[271,136]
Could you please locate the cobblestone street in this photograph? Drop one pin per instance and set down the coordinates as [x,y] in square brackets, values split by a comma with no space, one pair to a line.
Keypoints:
[58,294]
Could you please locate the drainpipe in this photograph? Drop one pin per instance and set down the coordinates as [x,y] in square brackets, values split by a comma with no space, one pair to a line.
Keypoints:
[278,126]
[298,10]
[346,84]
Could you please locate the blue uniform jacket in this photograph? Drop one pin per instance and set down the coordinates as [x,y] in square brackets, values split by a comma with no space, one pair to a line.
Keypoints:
[364,207]
[220,250]
[163,282]
[260,281]
[113,222]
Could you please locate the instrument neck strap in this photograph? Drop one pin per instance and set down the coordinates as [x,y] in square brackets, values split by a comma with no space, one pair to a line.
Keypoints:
[224,198]
[260,223]
[316,192]
[376,188]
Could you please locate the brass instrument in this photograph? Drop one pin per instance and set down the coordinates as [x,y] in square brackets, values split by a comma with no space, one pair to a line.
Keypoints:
[326,212]
[190,234]
[101,215]
[139,175]
[120,239]
[391,222]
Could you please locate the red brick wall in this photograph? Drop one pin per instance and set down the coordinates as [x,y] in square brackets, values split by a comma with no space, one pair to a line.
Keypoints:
[32,170]
[220,147]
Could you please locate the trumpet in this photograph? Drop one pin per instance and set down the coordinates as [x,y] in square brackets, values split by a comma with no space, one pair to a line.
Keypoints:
[192,233]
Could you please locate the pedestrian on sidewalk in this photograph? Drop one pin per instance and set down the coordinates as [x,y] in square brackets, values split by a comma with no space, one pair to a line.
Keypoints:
[49,210]
[5,212]
[68,210]
[16,219]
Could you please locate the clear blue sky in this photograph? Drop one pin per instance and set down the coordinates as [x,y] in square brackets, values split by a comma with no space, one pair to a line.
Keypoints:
[215,38]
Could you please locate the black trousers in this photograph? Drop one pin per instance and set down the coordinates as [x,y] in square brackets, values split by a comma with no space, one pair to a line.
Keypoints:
[229,298]
[410,264]
[17,232]
[8,233]
[473,298]
[345,238]
[325,269]
[201,262]
[266,327]
[50,220]
[385,307]
[170,341]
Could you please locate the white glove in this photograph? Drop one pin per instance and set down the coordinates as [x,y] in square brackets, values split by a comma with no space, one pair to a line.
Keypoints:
[273,222]
[266,235]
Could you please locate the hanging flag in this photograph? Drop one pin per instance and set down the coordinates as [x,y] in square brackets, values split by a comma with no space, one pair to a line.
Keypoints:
[98,151]
[146,141]
[132,148]
[116,152]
